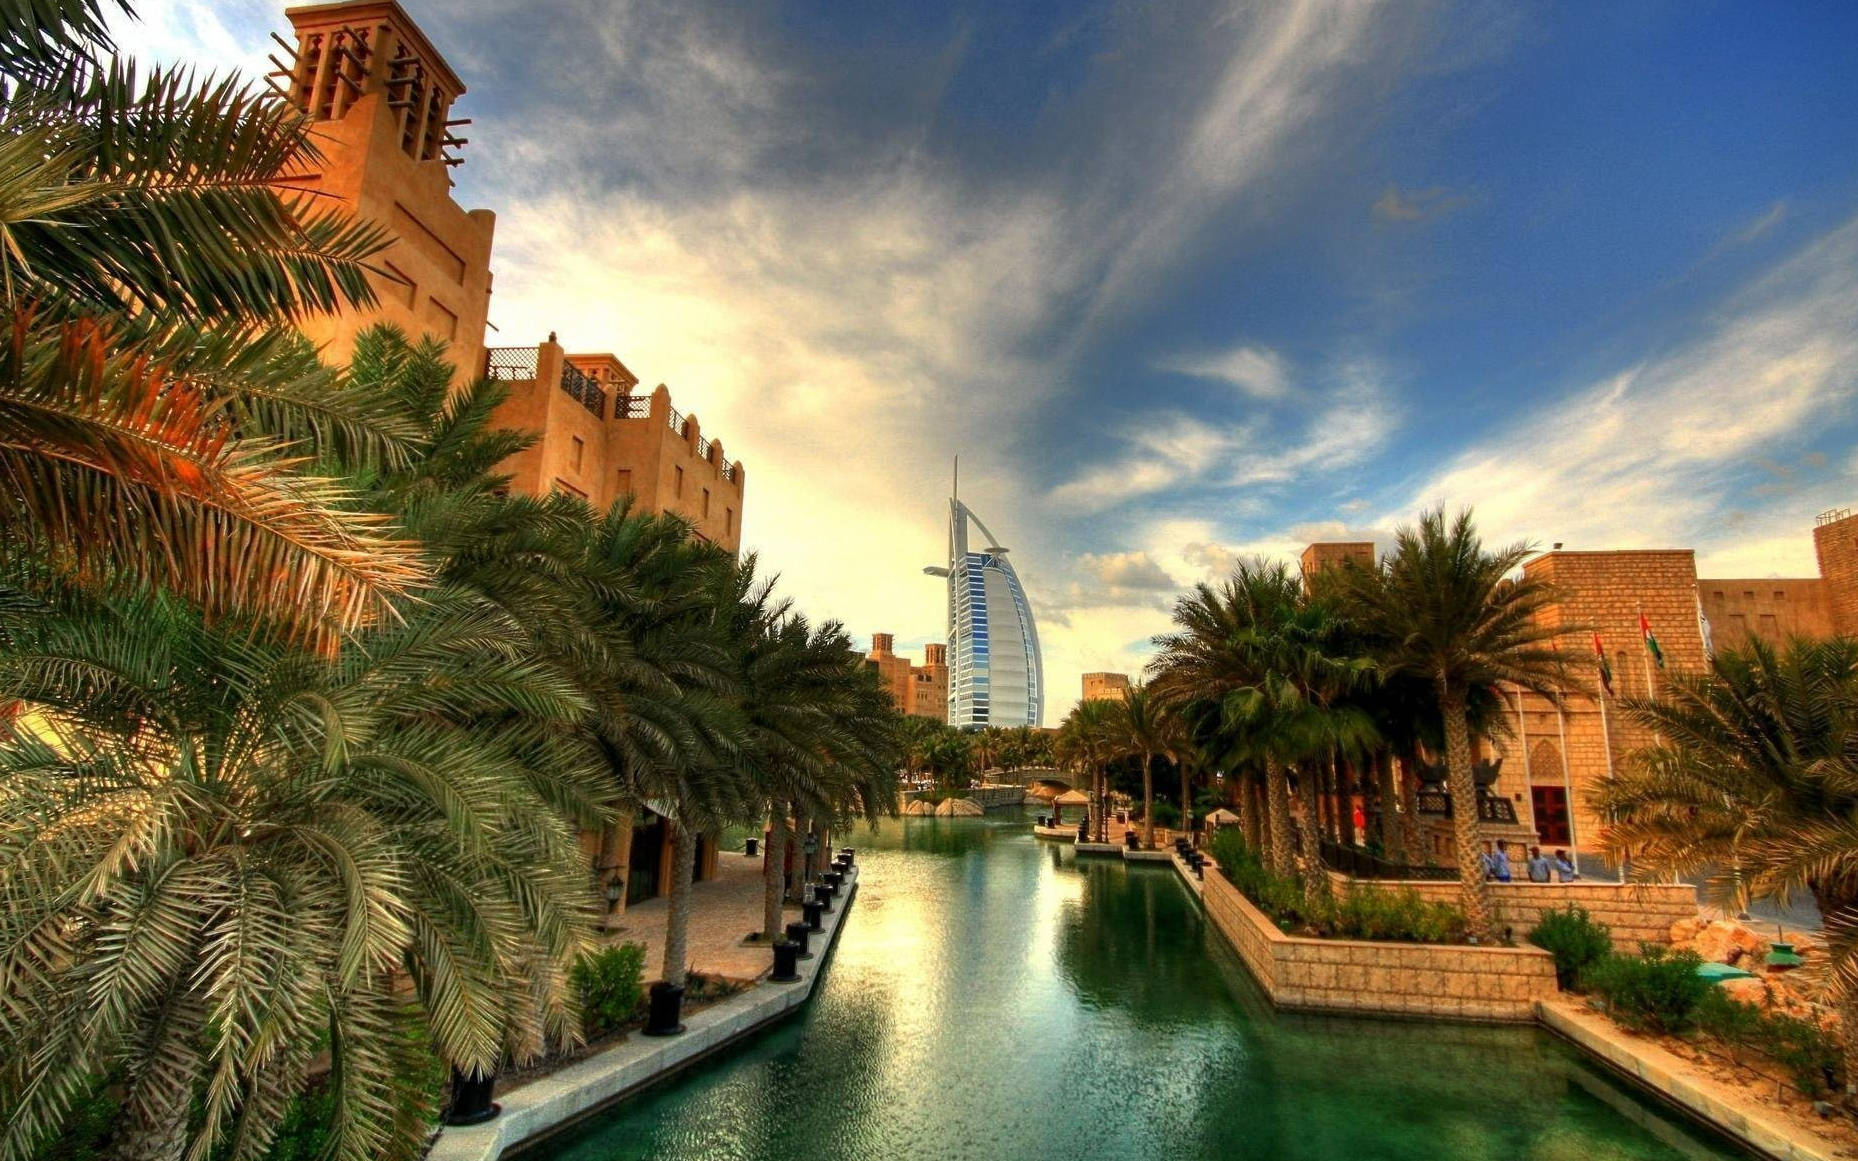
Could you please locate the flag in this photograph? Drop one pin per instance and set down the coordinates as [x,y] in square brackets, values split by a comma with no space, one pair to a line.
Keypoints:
[1651,642]
[1606,671]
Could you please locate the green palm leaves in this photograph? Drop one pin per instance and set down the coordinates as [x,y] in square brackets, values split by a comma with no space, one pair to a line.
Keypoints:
[218,851]
[1754,779]
[149,429]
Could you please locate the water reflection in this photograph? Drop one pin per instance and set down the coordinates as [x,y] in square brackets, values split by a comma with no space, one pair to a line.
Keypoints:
[994,997]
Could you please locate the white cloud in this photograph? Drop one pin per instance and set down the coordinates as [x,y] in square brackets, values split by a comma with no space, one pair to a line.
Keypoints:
[1416,205]
[1258,371]
[1656,455]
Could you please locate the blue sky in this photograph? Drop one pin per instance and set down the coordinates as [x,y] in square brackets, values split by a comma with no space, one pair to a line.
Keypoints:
[1184,281]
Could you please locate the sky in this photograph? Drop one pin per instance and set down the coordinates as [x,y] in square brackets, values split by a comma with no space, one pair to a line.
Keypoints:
[1181,281]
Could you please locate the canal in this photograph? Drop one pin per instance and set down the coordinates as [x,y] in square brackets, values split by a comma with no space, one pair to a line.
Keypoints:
[993,998]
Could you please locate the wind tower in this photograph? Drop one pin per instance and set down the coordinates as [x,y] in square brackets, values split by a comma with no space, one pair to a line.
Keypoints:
[379,98]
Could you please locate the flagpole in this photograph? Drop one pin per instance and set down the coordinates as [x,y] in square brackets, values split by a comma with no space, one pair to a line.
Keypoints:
[1567,785]
[1606,738]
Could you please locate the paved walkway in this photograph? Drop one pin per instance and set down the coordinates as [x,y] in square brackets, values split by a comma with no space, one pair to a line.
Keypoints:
[723,912]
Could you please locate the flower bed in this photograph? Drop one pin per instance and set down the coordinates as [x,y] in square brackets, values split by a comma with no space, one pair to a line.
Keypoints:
[1441,981]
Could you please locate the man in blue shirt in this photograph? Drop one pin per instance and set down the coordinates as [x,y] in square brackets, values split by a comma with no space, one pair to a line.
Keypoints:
[1500,862]
[1539,866]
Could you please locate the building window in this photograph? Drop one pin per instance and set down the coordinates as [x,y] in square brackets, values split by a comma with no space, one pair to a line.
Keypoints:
[625,481]
[728,521]
[1780,594]
[440,321]
[677,482]
[579,449]
[706,503]
[400,288]
[563,486]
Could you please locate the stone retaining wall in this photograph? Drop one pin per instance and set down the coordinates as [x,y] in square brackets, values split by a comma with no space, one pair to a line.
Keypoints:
[991,797]
[1412,979]
[1635,912]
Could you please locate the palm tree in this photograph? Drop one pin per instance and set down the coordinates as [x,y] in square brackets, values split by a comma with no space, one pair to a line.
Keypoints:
[155,414]
[216,849]
[1754,780]
[665,721]
[1444,609]
[1087,741]
[1143,728]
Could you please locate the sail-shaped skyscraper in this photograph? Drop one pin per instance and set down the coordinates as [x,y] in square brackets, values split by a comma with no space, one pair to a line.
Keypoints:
[996,676]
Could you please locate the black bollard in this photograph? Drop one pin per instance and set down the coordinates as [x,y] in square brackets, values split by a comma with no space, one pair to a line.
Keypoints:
[834,879]
[1200,871]
[813,909]
[786,956]
[801,934]
[665,1017]
[850,854]
[752,847]
[471,1103]
[822,895]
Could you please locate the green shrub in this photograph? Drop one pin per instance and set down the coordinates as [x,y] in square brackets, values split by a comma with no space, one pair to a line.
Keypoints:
[1362,912]
[1574,939]
[1808,1053]
[1167,814]
[1730,1022]
[1656,991]
[608,984]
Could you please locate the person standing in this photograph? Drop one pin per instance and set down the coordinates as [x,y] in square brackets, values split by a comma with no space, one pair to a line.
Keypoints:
[1500,862]
[1539,866]
[1564,868]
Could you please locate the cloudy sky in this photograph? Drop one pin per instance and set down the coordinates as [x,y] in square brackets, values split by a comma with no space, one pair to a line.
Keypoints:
[1182,280]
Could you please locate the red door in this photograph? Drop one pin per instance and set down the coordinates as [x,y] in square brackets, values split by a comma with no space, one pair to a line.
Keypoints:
[1551,815]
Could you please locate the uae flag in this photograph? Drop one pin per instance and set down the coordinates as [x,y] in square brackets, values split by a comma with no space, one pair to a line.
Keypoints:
[1651,642]
[1606,671]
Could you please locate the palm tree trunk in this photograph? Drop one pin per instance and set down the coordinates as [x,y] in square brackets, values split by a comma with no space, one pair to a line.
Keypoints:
[796,890]
[1476,899]
[1393,843]
[1187,800]
[1314,883]
[1148,803]
[1277,815]
[774,876]
[1248,810]
[1409,822]
[152,1122]
[677,909]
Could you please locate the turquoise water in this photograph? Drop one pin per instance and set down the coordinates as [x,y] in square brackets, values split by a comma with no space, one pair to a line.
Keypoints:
[993,998]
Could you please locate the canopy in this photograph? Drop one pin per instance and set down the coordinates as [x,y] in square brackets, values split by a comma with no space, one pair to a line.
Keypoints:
[1072,798]
[1222,817]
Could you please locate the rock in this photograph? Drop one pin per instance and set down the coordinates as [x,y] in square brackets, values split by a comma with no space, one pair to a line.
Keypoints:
[1725,941]
[1753,991]
[1685,930]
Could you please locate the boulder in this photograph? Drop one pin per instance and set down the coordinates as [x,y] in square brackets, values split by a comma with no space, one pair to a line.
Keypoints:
[1725,941]
[1685,930]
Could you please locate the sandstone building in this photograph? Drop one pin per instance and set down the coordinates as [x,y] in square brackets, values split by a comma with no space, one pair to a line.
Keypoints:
[918,690]
[1106,686]
[1554,756]
[381,100]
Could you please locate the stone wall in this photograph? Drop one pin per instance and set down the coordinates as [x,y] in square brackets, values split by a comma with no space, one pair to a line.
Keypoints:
[1772,609]
[992,797]
[1835,542]
[1636,912]
[1412,979]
